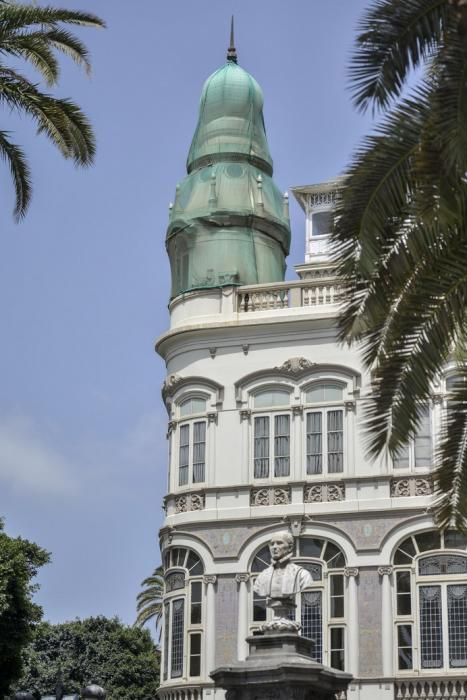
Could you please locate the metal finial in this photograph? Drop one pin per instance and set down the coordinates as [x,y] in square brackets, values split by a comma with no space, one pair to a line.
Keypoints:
[232,51]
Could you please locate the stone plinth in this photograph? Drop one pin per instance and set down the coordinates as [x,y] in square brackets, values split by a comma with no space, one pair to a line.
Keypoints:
[280,667]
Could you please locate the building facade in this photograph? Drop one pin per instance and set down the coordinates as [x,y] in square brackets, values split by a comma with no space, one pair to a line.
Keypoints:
[264,409]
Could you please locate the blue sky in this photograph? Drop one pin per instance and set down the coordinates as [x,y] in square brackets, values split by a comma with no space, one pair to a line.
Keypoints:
[85,278]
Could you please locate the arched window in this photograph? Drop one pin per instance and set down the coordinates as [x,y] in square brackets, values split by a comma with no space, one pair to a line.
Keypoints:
[324,420]
[192,441]
[431,601]
[271,436]
[321,610]
[183,614]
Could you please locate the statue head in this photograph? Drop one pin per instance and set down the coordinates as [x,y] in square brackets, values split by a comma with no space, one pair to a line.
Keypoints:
[281,545]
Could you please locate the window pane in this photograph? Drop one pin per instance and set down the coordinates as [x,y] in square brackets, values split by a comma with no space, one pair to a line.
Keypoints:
[195,612]
[312,622]
[321,223]
[337,596]
[324,392]
[333,556]
[194,564]
[261,447]
[337,648]
[271,398]
[259,608]
[428,540]
[423,441]
[199,451]
[431,634]
[314,449]
[455,540]
[191,406]
[183,461]
[457,624]
[310,547]
[404,595]
[176,667]
[261,560]
[281,445]
[195,654]
[404,645]
[335,441]
[166,639]
[442,564]
[316,570]
[401,458]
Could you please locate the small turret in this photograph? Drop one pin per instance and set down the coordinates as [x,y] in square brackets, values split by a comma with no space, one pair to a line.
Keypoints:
[228,225]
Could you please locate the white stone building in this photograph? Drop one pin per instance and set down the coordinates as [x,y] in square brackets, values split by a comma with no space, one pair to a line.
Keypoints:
[264,408]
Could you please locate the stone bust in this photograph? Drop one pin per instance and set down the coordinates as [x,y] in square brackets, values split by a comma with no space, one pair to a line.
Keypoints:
[282,577]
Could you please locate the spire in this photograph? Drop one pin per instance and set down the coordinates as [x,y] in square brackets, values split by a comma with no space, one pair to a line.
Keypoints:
[232,51]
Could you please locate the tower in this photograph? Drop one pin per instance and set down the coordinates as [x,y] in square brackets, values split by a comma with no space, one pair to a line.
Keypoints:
[264,407]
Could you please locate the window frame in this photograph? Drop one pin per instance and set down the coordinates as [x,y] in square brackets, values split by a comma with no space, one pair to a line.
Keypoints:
[412,619]
[411,447]
[189,628]
[188,422]
[271,413]
[324,408]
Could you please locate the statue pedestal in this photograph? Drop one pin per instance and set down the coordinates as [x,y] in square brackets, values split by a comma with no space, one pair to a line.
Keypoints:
[279,667]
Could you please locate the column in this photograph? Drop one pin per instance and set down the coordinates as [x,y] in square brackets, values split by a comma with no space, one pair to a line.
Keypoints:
[242,630]
[386,621]
[210,625]
[351,575]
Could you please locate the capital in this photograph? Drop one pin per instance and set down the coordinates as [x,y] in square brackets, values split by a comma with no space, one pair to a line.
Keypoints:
[242,578]
[385,570]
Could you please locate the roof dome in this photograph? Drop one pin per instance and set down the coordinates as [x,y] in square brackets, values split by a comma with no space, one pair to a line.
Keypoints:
[230,124]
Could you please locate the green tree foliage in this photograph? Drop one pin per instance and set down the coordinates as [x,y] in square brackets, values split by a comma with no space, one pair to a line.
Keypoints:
[36,34]
[400,234]
[124,660]
[19,562]
[149,601]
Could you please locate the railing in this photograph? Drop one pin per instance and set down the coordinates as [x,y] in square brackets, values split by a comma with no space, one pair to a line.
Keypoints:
[285,295]
[187,692]
[431,689]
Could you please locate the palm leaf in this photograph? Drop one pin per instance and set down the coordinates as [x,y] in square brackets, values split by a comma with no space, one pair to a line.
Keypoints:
[20,173]
[149,600]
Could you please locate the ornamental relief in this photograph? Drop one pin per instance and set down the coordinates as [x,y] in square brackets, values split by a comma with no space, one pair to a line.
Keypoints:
[411,486]
[319,493]
[189,501]
[270,496]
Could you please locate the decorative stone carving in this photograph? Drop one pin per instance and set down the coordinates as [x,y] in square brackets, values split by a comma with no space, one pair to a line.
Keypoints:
[411,486]
[210,578]
[242,578]
[296,524]
[213,352]
[270,496]
[297,410]
[170,385]
[212,417]
[350,571]
[318,493]
[245,349]
[385,570]
[171,426]
[189,501]
[296,365]
[245,414]
[350,405]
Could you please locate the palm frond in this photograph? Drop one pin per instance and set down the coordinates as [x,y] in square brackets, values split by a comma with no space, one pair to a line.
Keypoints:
[34,49]
[149,600]
[20,173]
[14,17]
[394,37]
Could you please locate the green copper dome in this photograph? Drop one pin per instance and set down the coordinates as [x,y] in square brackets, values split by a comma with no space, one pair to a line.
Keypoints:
[229,224]
[230,120]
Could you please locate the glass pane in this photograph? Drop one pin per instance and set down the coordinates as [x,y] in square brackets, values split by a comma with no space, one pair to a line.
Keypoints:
[314,448]
[176,667]
[281,445]
[428,540]
[442,564]
[337,596]
[310,547]
[404,596]
[199,451]
[431,634]
[195,612]
[321,223]
[194,564]
[408,547]
[335,441]
[316,570]
[261,447]
[261,560]
[333,556]
[271,398]
[337,648]
[259,608]
[319,393]
[312,622]
[457,624]
[455,540]
[404,644]
[191,406]
[401,458]
[184,453]
[166,638]
[178,557]
[195,654]
[423,441]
